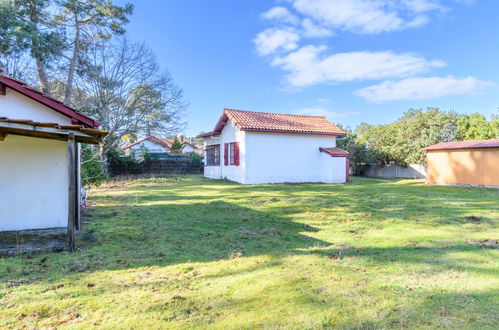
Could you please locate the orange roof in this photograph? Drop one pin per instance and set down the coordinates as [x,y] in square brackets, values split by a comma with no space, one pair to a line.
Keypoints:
[494,143]
[335,152]
[276,123]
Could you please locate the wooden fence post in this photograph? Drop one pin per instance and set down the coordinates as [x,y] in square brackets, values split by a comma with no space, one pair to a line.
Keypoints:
[72,192]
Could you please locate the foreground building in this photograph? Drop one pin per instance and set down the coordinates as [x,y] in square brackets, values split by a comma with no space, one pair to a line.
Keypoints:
[39,159]
[256,147]
[464,163]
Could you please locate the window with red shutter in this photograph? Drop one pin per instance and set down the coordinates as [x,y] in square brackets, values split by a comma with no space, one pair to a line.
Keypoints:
[236,153]
[226,154]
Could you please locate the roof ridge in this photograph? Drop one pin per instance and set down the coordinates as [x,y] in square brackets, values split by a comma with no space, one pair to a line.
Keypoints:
[275,113]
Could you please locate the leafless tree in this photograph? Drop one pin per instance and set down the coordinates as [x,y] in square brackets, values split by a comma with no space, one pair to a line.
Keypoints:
[125,90]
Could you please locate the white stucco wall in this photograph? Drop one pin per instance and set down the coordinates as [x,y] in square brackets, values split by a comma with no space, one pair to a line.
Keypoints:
[213,172]
[149,145]
[187,149]
[14,105]
[233,172]
[333,169]
[33,183]
[274,158]
[277,158]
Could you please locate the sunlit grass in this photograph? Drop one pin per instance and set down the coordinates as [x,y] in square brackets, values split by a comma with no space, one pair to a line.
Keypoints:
[191,252]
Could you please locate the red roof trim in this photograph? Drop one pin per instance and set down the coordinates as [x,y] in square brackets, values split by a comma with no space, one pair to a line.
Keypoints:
[48,101]
[335,152]
[493,143]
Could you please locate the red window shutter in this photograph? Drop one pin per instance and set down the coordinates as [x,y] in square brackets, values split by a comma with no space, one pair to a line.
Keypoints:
[226,154]
[236,153]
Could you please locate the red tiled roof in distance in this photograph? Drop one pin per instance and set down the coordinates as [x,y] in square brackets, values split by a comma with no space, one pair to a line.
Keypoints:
[277,123]
[494,143]
[335,152]
[34,94]
[164,142]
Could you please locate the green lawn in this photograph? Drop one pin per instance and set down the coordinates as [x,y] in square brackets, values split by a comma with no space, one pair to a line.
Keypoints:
[192,252]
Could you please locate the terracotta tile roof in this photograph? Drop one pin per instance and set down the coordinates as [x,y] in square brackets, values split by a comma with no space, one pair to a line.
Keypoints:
[47,100]
[335,152]
[277,123]
[494,143]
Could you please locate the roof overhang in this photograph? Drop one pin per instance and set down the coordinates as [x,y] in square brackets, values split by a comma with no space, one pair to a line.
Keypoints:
[335,152]
[22,88]
[51,131]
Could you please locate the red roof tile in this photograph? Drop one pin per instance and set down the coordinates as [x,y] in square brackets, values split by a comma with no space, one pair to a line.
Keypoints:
[494,143]
[276,123]
[36,95]
[335,152]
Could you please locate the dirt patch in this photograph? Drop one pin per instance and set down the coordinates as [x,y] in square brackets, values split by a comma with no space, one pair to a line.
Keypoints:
[32,241]
[486,243]
[474,219]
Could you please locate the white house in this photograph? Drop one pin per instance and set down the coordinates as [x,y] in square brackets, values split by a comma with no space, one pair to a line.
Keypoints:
[257,147]
[39,159]
[154,145]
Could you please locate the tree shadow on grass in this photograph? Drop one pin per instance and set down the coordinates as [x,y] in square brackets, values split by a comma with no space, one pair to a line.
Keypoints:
[122,236]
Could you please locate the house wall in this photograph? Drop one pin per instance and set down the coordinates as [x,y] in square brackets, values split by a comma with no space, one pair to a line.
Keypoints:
[149,145]
[477,166]
[14,105]
[187,149]
[33,183]
[274,158]
[333,169]
[232,172]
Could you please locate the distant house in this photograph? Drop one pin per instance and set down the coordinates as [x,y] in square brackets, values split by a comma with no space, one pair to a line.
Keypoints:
[155,146]
[39,158]
[465,163]
[257,147]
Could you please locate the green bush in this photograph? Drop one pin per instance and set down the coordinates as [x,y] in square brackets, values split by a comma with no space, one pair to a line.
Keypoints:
[91,166]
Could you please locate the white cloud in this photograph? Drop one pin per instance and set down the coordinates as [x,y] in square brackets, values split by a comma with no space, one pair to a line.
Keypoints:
[421,88]
[311,30]
[280,14]
[307,66]
[362,16]
[318,111]
[270,41]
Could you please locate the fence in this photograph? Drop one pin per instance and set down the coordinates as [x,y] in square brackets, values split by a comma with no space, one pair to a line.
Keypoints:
[156,166]
[392,171]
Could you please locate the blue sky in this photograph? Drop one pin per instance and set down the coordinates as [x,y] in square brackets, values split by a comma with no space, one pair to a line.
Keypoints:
[351,60]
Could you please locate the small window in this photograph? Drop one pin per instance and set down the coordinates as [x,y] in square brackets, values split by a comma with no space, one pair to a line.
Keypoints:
[213,155]
[232,152]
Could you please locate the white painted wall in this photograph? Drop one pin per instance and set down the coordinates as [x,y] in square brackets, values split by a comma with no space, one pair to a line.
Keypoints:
[152,147]
[274,158]
[33,183]
[14,105]
[333,169]
[213,172]
[233,172]
[277,158]
[187,149]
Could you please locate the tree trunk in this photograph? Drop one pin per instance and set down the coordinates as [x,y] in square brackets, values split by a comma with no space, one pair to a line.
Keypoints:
[74,62]
[40,66]
[103,157]
[42,75]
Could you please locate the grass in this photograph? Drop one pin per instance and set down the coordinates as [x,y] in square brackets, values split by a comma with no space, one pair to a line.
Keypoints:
[191,252]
